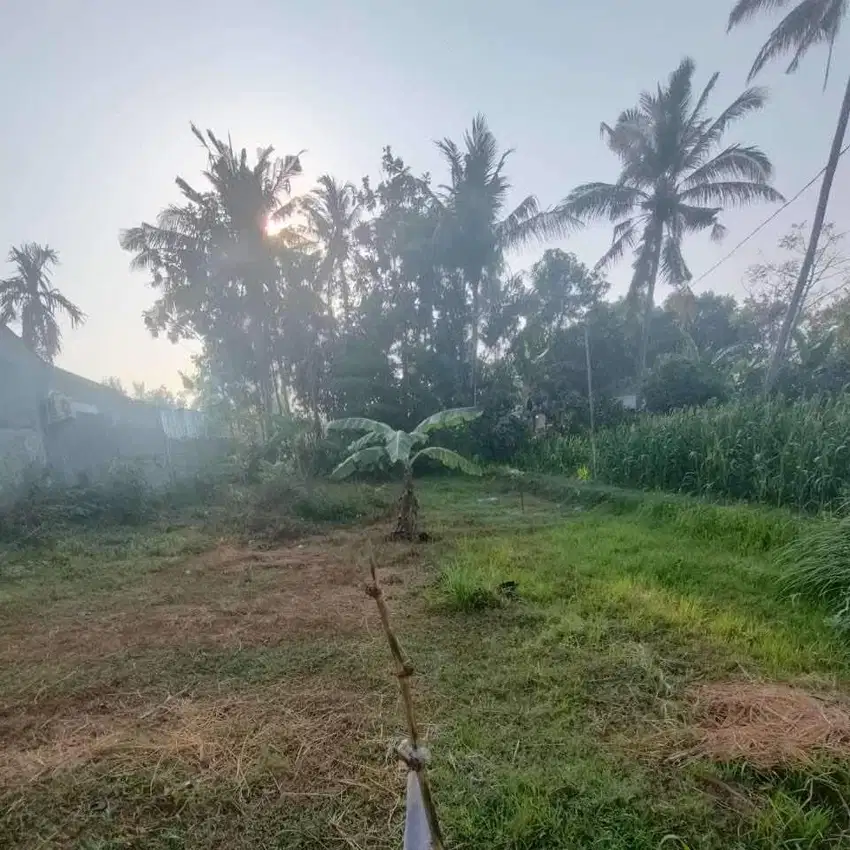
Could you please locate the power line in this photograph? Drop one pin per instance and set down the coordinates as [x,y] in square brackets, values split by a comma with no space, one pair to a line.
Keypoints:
[767,221]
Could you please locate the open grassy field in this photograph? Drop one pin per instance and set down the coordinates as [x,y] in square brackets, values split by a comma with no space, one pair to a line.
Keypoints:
[645,686]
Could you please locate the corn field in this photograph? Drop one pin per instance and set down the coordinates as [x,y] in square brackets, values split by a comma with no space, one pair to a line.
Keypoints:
[770,451]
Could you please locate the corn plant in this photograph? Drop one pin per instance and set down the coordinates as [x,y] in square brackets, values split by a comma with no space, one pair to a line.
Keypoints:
[763,450]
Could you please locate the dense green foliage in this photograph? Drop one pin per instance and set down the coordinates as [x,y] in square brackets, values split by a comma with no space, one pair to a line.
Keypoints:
[243,494]
[395,297]
[771,451]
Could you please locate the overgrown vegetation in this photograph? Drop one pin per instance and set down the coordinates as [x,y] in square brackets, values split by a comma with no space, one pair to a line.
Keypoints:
[605,666]
[238,496]
[770,451]
[817,566]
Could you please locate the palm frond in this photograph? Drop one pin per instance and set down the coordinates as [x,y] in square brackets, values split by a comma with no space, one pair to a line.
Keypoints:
[56,301]
[750,100]
[601,200]
[809,23]
[452,155]
[512,230]
[192,194]
[550,224]
[696,115]
[718,232]
[694,219]
[642,281]
[625,236]
[735,162]
[730,193]
[673,268]
[745,9]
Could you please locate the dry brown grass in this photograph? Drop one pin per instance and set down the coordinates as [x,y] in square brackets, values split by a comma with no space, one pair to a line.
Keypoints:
[297,736]
[230,597]
[306,735]
[766,725]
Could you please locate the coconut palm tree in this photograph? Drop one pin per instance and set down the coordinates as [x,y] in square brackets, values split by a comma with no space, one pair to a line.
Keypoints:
[215,257]
[30,297]
[675,180]
[808,23]
[333,212]
[474,229]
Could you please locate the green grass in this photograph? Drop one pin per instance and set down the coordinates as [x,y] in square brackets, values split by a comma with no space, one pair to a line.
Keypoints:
[551,713]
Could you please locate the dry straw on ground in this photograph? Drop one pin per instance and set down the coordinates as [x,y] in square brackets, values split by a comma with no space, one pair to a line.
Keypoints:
[298,733]
[766,725]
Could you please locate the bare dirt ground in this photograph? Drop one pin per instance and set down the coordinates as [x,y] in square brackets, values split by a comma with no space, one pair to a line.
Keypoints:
[228,597]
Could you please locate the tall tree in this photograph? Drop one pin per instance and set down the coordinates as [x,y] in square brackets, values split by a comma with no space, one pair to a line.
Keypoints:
[474,228]
[675,179]
[29,296]
[808,23]
[771,286]
[333,212]
[214,259]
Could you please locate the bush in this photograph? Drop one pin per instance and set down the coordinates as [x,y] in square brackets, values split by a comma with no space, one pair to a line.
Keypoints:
[677,382]
[295,444]
[40,507]
[280,493]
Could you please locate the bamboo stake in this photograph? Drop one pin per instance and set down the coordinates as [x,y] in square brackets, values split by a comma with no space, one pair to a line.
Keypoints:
[404,670]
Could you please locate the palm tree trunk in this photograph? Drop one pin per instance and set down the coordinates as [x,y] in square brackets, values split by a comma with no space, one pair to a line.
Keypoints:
[284,391]
[326,281]
[795,306]
[590,397]
[649,304]
[476,286]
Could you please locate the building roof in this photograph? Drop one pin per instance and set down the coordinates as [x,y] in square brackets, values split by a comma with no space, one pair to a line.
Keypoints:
[12,347]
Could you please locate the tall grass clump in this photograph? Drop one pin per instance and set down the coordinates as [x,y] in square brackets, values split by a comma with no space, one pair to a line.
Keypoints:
[465,587]
[786,454]
[817,565]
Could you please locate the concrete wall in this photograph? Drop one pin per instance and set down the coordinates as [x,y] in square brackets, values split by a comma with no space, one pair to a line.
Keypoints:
[117,429]
[106,427]
[23,381]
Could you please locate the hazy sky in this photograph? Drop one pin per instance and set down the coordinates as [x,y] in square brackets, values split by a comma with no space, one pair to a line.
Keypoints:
[98,95]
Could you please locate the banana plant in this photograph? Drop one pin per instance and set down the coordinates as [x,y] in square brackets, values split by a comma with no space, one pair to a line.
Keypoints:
[381,445]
